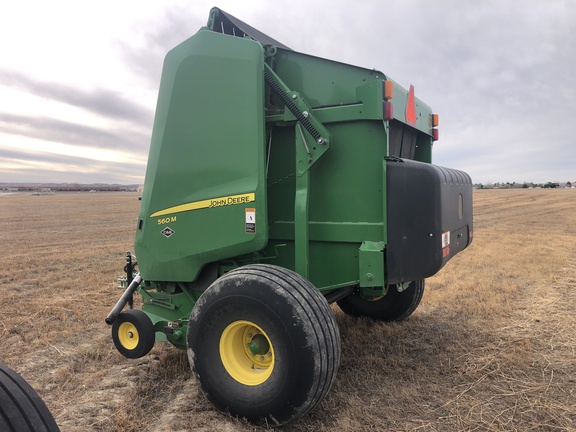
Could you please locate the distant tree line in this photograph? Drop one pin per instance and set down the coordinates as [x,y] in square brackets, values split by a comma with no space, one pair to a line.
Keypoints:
[68,188]
[525,185]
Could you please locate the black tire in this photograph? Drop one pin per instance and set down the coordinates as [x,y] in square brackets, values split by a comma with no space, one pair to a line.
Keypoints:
[133,334]
[298,346]
[394,306]
[21,408]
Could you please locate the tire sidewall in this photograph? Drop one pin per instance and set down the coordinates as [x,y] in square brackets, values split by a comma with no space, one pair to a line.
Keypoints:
[288,386]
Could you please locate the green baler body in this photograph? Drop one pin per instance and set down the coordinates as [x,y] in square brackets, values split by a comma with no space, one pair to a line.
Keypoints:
[234,177]
[207,145]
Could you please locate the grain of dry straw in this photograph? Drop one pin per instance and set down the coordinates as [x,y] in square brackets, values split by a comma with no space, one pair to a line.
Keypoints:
[491,348]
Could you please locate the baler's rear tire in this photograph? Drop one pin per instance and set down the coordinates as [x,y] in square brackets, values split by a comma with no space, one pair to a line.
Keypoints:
[394,306]
[21,408]
[133,334]
[263,344]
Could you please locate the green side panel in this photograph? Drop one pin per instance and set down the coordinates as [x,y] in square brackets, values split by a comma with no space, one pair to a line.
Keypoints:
[346,206]
[320,81]
[205,181]
[326,83]
[347,212]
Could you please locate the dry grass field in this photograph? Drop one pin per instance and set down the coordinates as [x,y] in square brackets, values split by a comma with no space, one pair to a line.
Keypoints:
[491,348]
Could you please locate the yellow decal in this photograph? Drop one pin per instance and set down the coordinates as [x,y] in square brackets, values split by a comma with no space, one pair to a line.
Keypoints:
[209,203]
[166,220]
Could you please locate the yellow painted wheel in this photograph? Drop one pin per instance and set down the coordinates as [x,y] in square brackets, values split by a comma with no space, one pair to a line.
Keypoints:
[133,333]
[128,335]
[246,353]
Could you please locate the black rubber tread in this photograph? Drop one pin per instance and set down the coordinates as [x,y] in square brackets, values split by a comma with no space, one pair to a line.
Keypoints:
[394,306]
[21,408]
[311,342]
[321,308]
[146,333]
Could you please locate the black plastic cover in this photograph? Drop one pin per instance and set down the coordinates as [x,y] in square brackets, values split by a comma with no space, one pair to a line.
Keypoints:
[429,218]
[230,25]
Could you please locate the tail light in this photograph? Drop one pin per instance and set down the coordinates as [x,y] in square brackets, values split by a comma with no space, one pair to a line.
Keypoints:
[434,122]
[388,93]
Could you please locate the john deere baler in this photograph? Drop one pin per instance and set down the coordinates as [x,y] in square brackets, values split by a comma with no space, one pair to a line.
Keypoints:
[277,183]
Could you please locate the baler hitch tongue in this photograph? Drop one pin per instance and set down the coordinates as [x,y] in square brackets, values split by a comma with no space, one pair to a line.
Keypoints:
[126,296]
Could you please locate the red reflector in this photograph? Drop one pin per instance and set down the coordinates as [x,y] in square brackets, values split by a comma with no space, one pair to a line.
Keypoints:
[388,111]
[445,252]
[435,134]
[411,108]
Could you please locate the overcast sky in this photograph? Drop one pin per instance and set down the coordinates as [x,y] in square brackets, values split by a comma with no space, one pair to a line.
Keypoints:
[79,79]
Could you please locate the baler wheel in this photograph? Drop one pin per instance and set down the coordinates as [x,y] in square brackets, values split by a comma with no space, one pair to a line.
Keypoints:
[394,306]
[263,344]
[21,408]
[133,333]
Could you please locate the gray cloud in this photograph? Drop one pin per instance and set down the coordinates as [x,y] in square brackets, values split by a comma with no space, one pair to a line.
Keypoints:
[161,35]
[500,74]
[73,133]
[102,101]
[66,169]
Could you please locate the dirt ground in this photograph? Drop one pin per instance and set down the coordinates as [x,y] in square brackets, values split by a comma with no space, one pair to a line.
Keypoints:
[491,347]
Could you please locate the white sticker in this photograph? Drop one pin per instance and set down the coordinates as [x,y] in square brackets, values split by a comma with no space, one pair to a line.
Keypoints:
[445,239]
[251,220]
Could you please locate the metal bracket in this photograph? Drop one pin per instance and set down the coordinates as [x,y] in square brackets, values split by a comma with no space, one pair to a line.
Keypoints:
[402,286]
[371,264]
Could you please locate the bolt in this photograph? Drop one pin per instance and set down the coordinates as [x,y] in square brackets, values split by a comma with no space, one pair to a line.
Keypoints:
[261,358]
[249,335]
[321,141]
[269,354]
[294,96]
[130,335]
[305,114]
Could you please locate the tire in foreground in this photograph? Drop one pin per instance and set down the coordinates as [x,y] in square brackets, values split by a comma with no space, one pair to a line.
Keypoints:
[21,408]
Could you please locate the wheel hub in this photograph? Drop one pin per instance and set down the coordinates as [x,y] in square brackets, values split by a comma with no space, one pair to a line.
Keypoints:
[128,335]
[246,353]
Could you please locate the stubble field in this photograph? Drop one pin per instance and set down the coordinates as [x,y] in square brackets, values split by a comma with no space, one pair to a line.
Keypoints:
[491,347]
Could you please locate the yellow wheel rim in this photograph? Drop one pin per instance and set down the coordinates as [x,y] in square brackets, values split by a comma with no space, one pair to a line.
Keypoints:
[247,353]
[128,335]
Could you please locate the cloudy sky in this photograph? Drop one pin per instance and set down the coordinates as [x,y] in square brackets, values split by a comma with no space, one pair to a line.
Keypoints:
[79,80]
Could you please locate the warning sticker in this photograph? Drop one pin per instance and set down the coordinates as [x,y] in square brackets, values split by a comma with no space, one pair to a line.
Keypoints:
[251,220]
[445,239]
